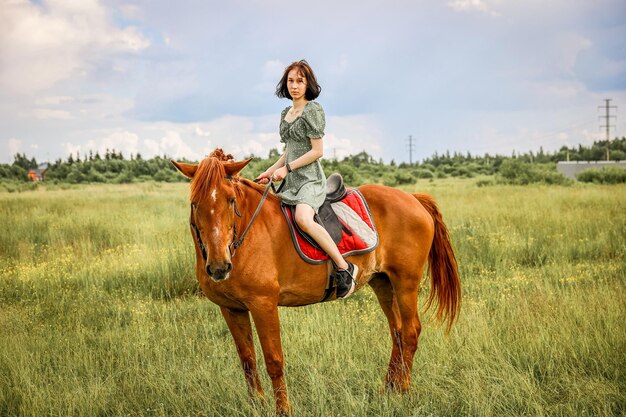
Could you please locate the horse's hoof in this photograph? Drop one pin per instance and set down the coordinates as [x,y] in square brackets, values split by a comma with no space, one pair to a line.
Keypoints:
[283,413]
[394,388]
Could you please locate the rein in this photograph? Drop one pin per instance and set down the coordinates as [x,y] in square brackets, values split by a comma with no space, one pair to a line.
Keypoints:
[234,245]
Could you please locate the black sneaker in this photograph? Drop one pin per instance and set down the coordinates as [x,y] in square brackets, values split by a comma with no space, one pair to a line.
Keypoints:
[346,280]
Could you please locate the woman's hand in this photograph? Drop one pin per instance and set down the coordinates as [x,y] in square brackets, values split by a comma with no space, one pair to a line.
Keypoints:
[264,178]
[279,174]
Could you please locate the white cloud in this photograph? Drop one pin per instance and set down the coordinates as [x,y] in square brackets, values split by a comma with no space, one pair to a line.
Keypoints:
[42,45]
[118,140]
[54,100]
[348,135]
[171,145]
[242,136]
[472,5]
[14,146]
[564,51]
[71,148]
[131,11]
[124,141]
[52,114]
[199,132]
[249,147]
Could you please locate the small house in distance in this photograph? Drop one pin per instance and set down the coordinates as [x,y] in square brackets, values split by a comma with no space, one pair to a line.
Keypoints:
[38,174]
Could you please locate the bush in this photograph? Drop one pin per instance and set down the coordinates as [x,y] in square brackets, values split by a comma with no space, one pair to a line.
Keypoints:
[404,177]
[167,176]
[516,172]
[618,155]
[126,177]
[389,180]
[350,175]
[76,177]
[462,171]
[95,176]
[423,173]
[611,175]
[485,182]
[18,186]
[13,172]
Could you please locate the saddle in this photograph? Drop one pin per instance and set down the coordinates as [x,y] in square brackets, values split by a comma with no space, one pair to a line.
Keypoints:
[346,217]
[326,217]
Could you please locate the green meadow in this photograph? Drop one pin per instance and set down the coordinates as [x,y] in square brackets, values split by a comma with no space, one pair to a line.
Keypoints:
[100,313]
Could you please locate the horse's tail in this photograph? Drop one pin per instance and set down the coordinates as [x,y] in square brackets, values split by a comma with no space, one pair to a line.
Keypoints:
[442,268]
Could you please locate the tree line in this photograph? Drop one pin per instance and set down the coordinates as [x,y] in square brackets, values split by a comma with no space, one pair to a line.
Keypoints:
[357,169]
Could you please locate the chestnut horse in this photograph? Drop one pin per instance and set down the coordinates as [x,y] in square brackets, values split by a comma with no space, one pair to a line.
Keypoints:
[267,272]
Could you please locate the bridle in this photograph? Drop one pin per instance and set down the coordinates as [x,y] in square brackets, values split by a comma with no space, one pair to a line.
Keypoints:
[235,243]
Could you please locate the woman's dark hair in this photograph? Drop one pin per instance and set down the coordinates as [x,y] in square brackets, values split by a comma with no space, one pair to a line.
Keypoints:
[313,89]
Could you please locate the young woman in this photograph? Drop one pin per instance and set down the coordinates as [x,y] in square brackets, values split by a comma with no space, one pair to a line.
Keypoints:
[301,130]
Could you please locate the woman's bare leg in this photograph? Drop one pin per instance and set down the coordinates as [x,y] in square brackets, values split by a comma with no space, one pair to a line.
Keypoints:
[304,218]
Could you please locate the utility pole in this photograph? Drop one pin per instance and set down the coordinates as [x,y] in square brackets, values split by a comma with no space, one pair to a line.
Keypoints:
[411,147]
[607,121]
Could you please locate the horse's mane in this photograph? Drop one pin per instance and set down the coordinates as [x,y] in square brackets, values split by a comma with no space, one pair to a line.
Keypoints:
[209,171]
[256,187]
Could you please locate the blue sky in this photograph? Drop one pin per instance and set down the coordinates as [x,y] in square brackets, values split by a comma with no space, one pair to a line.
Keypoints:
[148,76]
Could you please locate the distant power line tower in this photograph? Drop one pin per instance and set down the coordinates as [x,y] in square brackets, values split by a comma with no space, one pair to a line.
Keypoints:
[411,146]
[607,121]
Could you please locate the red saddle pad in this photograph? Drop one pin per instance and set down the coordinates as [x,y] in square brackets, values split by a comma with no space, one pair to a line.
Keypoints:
[355,216]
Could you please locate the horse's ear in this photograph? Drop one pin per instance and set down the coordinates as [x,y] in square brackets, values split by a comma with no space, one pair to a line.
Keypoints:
[234,168]
[188,170]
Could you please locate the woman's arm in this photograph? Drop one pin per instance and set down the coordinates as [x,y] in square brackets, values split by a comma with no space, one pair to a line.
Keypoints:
[316,152]
[277,164]
[270,171]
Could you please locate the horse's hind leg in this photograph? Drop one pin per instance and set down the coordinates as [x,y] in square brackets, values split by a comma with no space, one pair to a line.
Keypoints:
[398,299]
[384,292]
[240,327]
[405,290]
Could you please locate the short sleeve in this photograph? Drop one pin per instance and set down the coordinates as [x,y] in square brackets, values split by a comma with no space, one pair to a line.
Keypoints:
[316,122]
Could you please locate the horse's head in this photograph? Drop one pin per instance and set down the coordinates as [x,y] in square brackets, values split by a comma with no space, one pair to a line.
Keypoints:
[213,211]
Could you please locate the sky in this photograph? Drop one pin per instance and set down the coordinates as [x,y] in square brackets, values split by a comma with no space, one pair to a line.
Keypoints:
[158,77]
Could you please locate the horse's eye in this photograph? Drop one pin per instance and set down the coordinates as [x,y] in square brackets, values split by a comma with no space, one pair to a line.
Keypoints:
[231,201]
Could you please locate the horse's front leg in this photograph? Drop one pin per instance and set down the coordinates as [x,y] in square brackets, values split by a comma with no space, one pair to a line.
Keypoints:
[238,322]
[265,315]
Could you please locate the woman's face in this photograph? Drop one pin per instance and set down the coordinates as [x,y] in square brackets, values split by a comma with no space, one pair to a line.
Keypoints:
[296,84]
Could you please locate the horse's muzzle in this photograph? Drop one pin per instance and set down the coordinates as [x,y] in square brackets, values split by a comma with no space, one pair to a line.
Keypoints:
[219,273]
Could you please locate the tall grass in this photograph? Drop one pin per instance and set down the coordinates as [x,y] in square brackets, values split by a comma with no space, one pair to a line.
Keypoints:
[100,313]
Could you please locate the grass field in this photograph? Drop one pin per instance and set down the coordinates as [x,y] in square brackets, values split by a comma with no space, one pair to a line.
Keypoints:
[100,315]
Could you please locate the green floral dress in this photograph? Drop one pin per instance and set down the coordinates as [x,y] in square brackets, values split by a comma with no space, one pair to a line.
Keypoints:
[306,184]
